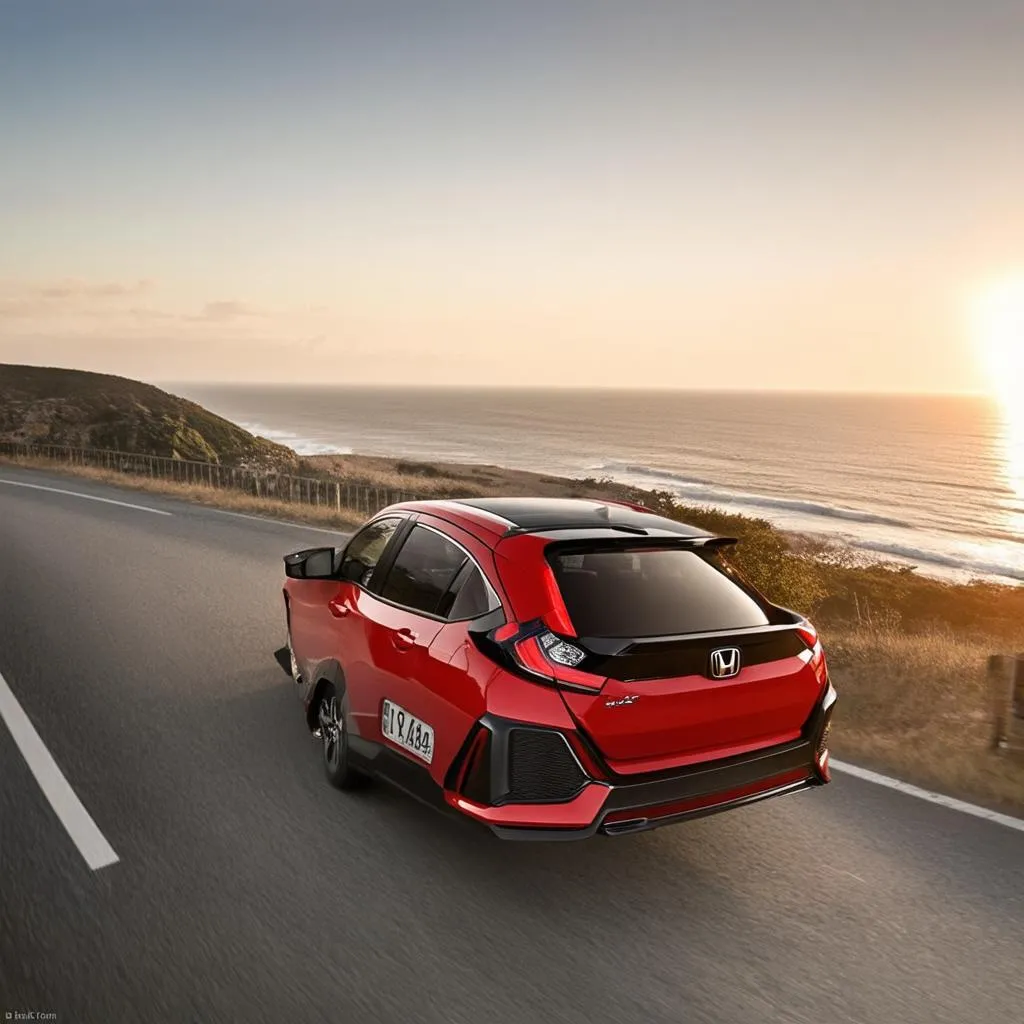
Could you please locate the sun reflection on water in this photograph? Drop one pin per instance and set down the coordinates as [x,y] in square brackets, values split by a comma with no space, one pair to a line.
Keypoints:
[1013,456]
[999,335]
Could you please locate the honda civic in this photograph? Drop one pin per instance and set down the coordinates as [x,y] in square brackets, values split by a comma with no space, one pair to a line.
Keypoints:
[553,668]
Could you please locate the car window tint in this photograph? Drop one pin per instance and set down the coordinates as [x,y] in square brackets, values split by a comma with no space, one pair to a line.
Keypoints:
[423,570]
[651,593]
[473,598]
[363,552]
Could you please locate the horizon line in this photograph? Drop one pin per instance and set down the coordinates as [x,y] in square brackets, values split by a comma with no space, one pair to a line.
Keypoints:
[645,389]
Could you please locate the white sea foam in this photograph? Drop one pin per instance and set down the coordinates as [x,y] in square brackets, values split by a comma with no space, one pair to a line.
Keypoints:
[298,444]
[705,493]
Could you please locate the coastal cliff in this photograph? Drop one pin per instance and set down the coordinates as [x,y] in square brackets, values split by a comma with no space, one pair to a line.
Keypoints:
[47,405]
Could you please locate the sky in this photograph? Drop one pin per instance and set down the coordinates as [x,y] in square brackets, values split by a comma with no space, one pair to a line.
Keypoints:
[781,195]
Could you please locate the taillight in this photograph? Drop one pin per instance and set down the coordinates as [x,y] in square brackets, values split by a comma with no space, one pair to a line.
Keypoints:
[560,651]
[531,649]
[554,658]
[810,637]
[557,617]
[808,634]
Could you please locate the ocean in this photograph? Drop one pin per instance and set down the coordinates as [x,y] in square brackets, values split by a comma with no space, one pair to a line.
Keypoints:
[936,482]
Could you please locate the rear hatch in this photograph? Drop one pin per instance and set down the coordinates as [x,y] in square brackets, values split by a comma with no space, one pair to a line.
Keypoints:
[692,664]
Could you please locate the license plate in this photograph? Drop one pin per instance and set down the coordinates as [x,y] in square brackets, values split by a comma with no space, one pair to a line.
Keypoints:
[407,731]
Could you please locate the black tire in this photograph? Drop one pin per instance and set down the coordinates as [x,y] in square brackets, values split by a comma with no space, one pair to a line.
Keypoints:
[334,742]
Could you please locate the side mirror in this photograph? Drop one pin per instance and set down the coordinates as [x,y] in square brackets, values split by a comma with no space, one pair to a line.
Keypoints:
[352,570]
[311,564]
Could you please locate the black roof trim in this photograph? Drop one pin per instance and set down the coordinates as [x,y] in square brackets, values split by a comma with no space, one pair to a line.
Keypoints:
[661,539]
[542,528]
[538,515]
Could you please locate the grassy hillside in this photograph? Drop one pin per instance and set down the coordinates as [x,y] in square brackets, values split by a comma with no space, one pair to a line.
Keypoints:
[46,405]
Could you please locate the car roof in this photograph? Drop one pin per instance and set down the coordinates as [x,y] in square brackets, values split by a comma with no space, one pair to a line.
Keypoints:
[539,515]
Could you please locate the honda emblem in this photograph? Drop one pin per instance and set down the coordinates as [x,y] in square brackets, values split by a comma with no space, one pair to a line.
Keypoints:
[725,662]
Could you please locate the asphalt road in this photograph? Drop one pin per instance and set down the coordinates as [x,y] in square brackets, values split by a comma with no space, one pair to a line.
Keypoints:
[140,646]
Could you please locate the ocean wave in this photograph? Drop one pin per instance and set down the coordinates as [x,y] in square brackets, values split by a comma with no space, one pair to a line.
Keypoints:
[975,565]
[634,469]
[706,493]
[298,444]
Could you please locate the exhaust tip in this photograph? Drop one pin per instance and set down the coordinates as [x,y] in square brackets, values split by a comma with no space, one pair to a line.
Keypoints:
[618,828]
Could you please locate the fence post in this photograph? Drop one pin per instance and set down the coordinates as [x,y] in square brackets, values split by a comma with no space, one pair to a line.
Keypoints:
[337,496]
[1006,683]
[1018,687]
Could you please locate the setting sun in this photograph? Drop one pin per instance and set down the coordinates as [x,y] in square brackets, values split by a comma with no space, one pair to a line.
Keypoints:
[999,334]
[998,330]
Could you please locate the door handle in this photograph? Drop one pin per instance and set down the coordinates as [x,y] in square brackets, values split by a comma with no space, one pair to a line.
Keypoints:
[339,607]
[403,639]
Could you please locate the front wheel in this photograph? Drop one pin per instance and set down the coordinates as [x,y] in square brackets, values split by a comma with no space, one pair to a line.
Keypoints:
[334,743]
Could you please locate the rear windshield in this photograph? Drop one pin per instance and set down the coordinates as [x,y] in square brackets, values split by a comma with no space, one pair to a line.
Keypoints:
[650,593]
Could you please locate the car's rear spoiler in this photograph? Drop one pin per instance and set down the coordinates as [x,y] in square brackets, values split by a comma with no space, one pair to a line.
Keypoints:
[634,537]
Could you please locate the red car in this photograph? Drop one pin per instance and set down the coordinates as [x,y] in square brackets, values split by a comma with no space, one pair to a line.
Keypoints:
[553,668]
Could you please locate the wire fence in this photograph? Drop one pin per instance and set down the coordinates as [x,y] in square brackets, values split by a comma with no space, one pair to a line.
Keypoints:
[320,492]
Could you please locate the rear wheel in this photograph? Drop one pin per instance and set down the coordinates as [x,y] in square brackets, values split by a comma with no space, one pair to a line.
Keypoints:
[334,742]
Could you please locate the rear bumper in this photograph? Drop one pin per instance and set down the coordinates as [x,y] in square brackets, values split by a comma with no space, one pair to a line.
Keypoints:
[637,805]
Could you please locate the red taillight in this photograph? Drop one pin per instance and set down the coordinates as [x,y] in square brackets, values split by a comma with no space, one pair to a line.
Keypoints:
[536,659]
[810,637]
[808,634]
[557,617]
[529,655]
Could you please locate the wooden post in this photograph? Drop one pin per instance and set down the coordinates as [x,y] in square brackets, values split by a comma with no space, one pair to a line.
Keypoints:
[337,496]
[998,666]
[1006,682]
[1017,702]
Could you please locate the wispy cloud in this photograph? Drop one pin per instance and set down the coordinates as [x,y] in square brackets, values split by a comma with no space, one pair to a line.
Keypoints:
[114,302]
[28,299]
[227,309]
[72,288]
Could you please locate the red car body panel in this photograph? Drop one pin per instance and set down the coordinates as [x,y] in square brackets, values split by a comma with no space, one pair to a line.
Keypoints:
[627,753]
[679,721]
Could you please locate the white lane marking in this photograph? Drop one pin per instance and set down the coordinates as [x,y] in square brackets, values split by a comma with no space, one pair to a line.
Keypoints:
[276,522]
[87,497]
[842,871]
[926,794]
[92,845]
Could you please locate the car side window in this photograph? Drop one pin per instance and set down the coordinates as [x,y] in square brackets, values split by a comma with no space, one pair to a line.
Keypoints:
[473,598]
[363,552]
[423,570]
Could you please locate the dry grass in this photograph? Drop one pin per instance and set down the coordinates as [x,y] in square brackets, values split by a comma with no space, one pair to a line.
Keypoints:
[920,705]
[448,479]
[232,501]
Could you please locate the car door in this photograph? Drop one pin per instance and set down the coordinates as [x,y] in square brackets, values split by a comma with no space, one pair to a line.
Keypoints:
[324,614]
[426,700]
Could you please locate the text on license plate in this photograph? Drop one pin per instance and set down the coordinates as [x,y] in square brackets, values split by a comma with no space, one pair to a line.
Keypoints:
[407,731]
